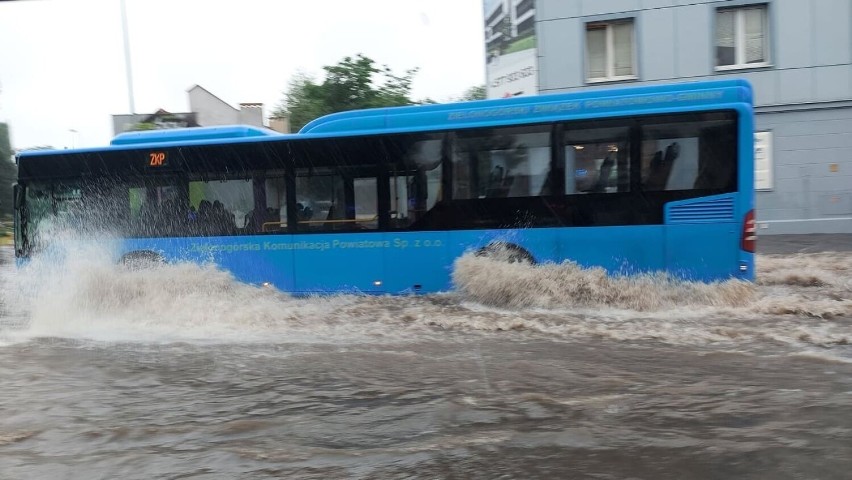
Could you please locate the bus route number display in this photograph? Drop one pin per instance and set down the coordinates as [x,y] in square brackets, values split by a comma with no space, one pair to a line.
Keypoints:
[157,159]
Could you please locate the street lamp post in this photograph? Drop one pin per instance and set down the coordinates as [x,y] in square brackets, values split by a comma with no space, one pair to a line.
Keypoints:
[127,62]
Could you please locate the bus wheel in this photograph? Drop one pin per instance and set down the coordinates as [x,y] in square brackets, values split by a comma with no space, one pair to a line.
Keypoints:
[507,252]
[141,259]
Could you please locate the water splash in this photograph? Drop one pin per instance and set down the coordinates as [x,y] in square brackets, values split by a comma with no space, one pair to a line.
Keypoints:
[817,285]
[799,300]
[567,285]
[88,295]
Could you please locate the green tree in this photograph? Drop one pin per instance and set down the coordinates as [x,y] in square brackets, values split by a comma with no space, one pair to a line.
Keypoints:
[8,172]
[142,126]
[477,92]
[354,83]
[303,101]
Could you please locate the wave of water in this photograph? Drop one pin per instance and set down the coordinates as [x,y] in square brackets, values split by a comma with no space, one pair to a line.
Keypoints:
[567,285]
[88,296]
[800,300]
[818,285]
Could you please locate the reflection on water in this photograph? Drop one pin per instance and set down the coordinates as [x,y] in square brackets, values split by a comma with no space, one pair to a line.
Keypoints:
[523,372]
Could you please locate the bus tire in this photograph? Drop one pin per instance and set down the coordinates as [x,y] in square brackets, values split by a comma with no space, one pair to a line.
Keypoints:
[508,252]
[141,259]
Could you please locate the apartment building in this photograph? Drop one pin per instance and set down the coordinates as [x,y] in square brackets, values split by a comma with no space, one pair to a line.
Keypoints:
[796,53]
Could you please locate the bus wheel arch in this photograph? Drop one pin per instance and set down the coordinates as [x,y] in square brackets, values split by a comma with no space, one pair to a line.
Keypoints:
[139,259]
[508,252]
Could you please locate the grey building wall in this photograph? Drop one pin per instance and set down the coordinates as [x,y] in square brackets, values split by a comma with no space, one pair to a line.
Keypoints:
[251,114]
[804,96]
[812,172]
[211,110]
[206,110]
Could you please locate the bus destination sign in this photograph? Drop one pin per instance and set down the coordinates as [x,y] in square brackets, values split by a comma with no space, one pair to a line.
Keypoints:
[157,159]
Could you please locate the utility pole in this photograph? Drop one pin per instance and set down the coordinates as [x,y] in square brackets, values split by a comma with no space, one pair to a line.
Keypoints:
[127,62]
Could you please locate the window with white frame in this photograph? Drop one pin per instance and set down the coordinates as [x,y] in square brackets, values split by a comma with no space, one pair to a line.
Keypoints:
[742,37]
[609,51]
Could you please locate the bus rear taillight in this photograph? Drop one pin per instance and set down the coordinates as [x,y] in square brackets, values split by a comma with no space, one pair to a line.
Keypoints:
[749,232]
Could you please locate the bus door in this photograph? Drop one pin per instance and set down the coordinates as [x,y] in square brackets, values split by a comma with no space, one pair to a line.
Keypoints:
[336,246]
[416,260]
[416,255]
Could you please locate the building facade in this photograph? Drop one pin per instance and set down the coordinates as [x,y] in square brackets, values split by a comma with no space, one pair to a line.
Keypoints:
[212,110]
[510,47]
[797,54]
[206,110]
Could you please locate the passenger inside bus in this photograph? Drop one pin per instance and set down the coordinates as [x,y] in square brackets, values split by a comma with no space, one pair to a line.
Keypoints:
[305,212]
[661,167]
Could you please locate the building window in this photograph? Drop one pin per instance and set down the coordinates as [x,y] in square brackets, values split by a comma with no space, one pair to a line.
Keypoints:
[742,37]
[609,51]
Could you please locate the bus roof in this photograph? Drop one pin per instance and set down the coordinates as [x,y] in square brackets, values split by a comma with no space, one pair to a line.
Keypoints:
[191,134]
[442,114]
[595,103]
[168,137]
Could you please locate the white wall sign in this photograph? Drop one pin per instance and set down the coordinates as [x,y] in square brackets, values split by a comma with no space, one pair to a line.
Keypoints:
[763,160]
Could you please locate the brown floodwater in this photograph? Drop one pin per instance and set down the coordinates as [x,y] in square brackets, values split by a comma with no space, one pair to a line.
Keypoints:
[549,371]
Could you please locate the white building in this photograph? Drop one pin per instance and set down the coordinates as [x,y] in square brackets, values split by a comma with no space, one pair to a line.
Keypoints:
[206,110]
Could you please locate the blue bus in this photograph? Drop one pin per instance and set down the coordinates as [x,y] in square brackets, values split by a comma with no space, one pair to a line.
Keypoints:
[634,180]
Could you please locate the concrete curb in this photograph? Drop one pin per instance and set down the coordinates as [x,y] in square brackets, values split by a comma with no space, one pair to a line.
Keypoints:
[811,243]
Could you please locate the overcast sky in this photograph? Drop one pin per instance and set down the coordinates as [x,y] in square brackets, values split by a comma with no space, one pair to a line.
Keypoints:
[62,64]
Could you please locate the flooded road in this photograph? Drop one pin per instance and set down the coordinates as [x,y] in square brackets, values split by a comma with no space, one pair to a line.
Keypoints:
[549,371]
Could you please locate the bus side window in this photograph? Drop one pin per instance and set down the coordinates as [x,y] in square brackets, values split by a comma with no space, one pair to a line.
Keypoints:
[220,207]
[717,158]
[502,162]
[320,200]
[330,201]
[689,155]
[597,160]
[415,180]
[270,205]
[365,198]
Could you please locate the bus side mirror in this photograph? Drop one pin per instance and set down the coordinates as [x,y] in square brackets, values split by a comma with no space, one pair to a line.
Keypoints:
[18,196]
